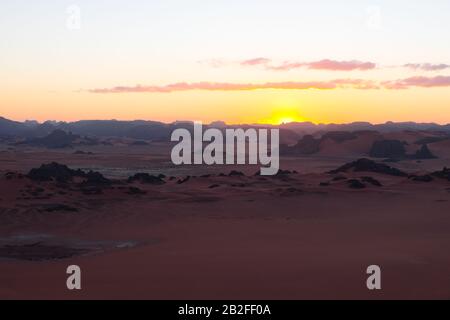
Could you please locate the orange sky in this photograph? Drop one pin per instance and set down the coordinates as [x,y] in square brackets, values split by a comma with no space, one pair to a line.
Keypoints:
[268,106]
[240,62]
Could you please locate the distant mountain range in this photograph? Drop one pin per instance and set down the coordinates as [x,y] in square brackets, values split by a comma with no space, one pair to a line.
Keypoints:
[158,131]
[308,127]
[391,141]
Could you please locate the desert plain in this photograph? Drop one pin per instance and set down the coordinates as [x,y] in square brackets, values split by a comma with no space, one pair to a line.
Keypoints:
[222,232]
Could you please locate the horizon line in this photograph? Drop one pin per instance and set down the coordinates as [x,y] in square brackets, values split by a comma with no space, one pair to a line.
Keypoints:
[232,124]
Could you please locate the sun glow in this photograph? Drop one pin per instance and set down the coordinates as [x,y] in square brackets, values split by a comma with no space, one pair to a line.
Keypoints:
[286,120]
[283,115]
[283,118]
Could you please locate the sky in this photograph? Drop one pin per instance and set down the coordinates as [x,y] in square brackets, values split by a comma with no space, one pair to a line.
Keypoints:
[243,61]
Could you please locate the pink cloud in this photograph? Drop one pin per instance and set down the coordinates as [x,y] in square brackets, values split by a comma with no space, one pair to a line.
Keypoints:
[331,65]
[359,84]
[424,82]
[326,64]
[427,66]
[221,86]
[286,66]
[341,65]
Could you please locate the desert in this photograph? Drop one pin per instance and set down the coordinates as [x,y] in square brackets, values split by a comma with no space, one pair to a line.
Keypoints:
[140,227]
[214,158]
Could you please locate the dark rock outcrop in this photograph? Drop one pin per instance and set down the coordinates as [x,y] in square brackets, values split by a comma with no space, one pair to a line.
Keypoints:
[424,178]
[181,181]
[367,165]
[280,173]
[424,153]
[147,179]
[135,191]
[13,175]
[284,172]
[372,181]
[80,152]
[393,149]
[63,174]
[55,140]
[96,179]
[54,171]
[306,146]
[355,184]
[309,145]
[443,174]
[235,173]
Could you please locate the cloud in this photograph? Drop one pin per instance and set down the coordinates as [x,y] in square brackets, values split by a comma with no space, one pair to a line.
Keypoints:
[326,64]
[359,84]
[255,62]
[427,66]
[341,65]
[223,86]
[423,82]
[286,66]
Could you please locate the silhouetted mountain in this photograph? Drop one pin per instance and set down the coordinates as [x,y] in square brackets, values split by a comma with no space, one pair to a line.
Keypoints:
[41,130]
[308,127]
[31,123]
[58,139]
[11,128]
[153,130]
[156,131]
[218,124]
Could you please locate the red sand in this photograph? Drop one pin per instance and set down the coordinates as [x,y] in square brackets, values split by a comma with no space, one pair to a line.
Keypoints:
[250,238]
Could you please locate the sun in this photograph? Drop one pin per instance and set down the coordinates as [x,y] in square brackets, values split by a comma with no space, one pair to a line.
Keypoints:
[286,120]
[284,116]
[285,110]
[279,118]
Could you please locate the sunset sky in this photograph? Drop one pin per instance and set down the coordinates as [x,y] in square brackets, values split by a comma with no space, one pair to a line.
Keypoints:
[241,61]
